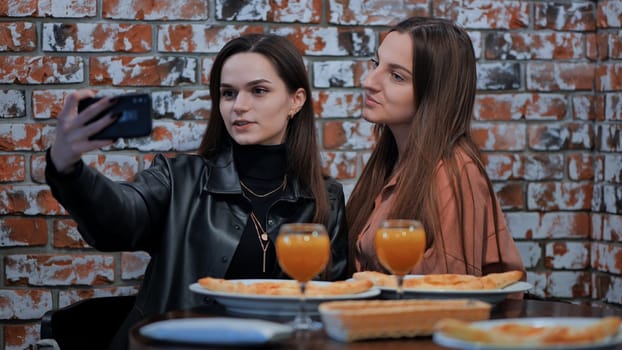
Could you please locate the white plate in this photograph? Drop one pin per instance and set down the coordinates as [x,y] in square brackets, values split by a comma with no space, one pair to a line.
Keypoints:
[269,305]
[576,322]
[490,295]
[217,331]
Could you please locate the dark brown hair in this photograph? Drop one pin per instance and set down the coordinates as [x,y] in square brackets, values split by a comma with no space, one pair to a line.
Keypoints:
[444,83]
[302,149]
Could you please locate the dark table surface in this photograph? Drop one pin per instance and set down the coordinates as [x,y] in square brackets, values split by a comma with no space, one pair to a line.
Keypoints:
[318,339]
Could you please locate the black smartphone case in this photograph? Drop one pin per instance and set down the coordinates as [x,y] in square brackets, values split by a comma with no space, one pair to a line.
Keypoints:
[134,119]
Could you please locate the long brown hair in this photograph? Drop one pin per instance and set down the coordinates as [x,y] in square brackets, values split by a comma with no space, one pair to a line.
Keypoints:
[445,85]
[301,141]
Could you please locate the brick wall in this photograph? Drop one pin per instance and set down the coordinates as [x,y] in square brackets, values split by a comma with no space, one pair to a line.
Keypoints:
[548,116]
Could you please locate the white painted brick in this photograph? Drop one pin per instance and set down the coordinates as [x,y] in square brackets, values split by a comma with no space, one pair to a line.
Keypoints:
[530,252]
[524,225]
[576,255]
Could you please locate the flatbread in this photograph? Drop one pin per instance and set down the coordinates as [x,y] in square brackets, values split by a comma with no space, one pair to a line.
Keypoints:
[285,287]
[444,281]
[517,334]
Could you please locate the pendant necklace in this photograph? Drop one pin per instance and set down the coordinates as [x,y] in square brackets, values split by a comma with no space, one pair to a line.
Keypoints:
[263,239]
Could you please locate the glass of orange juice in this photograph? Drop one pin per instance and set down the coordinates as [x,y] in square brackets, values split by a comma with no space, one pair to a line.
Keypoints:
[399,245]
[303,251]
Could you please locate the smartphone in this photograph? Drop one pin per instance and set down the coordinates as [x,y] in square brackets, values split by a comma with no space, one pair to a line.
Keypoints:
[134,120]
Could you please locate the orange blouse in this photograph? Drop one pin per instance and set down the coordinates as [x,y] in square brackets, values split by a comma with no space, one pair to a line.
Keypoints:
[477,253]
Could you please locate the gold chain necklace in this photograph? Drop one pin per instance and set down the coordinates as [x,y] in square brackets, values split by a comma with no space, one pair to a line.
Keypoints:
[263,238]
[281,187]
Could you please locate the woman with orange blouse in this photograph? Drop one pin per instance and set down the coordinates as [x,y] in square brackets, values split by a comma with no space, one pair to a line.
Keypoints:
[425,165]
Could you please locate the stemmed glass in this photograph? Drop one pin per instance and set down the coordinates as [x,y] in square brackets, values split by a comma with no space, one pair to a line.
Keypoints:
[303,251]
[399,245]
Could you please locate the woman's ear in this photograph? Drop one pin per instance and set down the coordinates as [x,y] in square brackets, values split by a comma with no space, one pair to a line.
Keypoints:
[298,100]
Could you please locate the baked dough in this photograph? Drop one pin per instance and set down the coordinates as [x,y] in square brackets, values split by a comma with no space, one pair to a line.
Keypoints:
[524,334]
[444,281]
[352,320]
[285,287]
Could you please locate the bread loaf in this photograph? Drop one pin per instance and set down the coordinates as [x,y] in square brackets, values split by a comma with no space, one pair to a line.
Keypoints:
[353,320]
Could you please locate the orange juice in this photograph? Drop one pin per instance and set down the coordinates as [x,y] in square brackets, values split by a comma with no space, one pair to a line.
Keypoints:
[302,256]
[400,248]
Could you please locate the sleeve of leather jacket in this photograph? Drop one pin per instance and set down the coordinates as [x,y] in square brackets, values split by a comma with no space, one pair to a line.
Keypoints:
[114,216]
[338,231]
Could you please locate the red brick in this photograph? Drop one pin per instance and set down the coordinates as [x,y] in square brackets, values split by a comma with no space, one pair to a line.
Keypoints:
[568,284]
[21,336]
[337,104]
[597,46]
[609,77]
[41,70]
[186,104]
[199,37]
[12,168]
[548,76]
[567,255]
[339,73]
[607,257]
[607,288]
[606,227]
[24,304]
[314,41]
[140,71]
[18,36]
[23,137]
[287,12]
[96,37]
[86,8]
[176,136]
[66,235]
[501,166]
[524,46]
[347,135]
[485,14]
[160,10]
[610,138]
[554,137]
[18,8]
[47,104]
[559,196]
[59,270]
[614,44]
[588,107]
[609,13]
[530,252]
[133,265]
[22,231]
[524,225]
[12,104]
[520,106]
[340,165]
[580,167]
[613,107]
[29,200]
[374,12]
[511,195]
[565,16]
[499,136]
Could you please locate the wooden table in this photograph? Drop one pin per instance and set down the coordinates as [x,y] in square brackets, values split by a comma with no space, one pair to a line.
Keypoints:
[319,340]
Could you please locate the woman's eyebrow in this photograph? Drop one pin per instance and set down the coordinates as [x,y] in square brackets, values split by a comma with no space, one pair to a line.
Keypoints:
[250,83]
[400,67]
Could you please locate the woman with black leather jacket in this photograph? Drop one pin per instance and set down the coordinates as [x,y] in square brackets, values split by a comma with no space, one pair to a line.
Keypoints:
[218,212]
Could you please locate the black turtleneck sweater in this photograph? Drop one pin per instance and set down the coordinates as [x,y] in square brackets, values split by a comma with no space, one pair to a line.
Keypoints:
[262,169]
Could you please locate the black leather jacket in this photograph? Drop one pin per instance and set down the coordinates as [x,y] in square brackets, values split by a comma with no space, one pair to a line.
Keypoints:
[188,213]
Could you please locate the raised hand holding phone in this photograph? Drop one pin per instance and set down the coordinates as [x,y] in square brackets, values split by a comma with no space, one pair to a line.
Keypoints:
[132,113]
[76,126]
